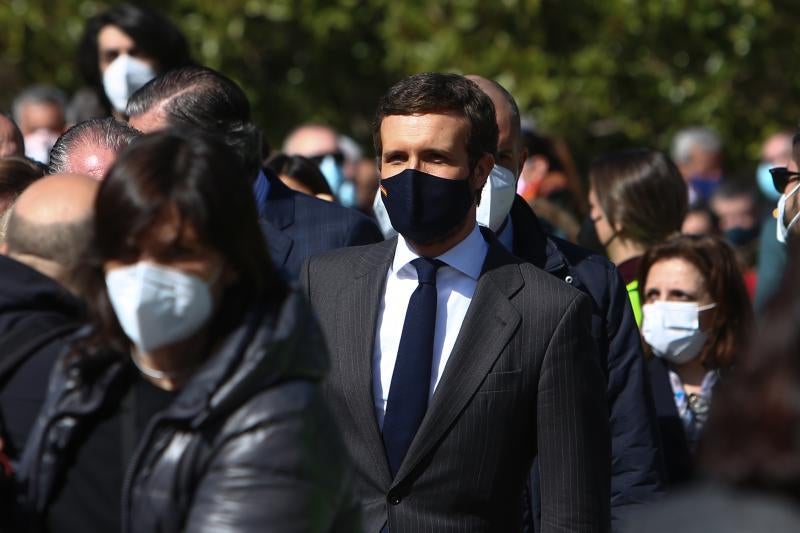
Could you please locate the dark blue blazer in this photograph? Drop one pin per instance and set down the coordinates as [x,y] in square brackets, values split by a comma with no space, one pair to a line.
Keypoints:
[677,456]
[637,473]
[298,226]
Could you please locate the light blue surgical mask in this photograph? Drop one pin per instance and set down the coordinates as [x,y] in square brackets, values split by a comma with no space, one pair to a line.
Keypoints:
[343,189]
[764,179]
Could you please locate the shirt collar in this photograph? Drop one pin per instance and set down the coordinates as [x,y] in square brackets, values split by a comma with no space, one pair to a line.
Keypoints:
[261,191]
[467,256]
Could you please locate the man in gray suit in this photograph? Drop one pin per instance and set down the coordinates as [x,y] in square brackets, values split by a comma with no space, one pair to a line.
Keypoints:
[453,362]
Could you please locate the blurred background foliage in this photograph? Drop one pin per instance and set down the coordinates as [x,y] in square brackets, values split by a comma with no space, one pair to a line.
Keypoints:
[601,75]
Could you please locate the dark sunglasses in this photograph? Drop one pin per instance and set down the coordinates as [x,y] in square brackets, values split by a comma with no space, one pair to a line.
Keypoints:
[337,156]
[781,176]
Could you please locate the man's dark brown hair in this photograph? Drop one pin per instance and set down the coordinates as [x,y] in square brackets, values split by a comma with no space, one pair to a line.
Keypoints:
[434,92]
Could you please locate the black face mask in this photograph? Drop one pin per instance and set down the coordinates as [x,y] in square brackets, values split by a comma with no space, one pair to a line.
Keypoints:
[740,236]
[424,208]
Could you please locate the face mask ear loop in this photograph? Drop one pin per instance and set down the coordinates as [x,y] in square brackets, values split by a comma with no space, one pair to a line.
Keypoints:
[792,222]
[706,307]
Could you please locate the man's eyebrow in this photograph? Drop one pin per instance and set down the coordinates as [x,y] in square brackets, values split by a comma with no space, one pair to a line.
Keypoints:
[392,153]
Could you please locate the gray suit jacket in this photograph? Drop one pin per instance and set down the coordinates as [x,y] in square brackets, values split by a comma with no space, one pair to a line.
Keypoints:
[522,378]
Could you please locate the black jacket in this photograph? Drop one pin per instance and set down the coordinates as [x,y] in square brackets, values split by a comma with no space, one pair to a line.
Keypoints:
[298,226]
[37,315]
[247,445]
[637,471]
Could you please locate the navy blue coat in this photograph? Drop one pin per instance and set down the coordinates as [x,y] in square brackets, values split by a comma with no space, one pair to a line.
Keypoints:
[677,456]
[637,466]
[298,226]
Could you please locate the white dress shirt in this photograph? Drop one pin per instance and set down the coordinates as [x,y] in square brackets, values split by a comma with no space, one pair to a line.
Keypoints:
[455,285]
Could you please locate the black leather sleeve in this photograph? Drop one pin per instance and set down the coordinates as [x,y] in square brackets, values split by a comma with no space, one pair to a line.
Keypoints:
[286,471]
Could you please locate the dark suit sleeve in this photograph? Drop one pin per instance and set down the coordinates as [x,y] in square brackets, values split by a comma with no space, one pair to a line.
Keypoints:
[637,474]
[363,231]
[573,430]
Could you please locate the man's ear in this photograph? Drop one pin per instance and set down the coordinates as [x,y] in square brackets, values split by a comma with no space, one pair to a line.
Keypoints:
[4,248]
[523,156]
[482,170]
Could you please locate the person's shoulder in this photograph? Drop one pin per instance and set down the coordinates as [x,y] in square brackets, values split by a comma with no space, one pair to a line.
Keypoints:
[332,210]
[578,256]
[723,509]
[544,289]
[352,257]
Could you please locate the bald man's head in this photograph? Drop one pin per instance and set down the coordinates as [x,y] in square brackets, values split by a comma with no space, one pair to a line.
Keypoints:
[91,147]
[311,140]
[51,222]
[510,152]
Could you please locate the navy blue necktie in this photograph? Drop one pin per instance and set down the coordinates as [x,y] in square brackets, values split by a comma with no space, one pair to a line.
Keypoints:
[411,379]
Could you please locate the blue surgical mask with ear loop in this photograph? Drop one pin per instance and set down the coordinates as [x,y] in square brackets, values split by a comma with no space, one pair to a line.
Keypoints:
[343,189]
[765,184]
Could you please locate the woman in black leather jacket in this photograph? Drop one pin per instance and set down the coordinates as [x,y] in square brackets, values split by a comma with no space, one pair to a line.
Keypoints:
[193,401]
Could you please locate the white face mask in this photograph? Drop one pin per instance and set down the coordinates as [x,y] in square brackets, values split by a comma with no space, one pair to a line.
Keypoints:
[39,143]
[497,197]
[672,330]
[157,306]
[382,217]
[123,77]
[782,231]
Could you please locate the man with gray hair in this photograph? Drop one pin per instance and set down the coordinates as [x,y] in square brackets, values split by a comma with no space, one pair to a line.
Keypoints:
[91,147]
[698,153]
[48,232]
[39,112]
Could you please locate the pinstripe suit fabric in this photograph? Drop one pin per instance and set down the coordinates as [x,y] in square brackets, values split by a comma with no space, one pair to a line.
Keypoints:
[522,378]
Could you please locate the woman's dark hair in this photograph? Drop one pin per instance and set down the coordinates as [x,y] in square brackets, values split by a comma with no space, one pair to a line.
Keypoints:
[203,179]
[643,191]
[153,34]
[16,173]
[301,169]
[752,437]
[716,262]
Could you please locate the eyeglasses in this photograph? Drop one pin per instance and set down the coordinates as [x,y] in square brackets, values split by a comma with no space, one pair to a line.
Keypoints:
[337,156]
[781,177]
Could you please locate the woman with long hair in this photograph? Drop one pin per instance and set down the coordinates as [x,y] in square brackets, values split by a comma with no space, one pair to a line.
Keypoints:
[193,400]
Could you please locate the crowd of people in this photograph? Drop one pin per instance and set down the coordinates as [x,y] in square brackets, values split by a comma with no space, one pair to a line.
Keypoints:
[198,333]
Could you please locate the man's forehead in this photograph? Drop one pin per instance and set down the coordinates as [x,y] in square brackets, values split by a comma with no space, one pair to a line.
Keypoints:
[434,123]
[152,120]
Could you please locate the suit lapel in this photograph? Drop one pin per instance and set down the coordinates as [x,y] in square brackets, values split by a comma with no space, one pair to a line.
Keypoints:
[490,322]
[278,242]
[359,302]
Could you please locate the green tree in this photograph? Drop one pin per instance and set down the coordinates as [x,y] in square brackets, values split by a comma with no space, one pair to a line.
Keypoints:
[603,75]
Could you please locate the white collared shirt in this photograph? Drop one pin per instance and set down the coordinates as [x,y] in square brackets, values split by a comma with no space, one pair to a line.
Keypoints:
[455,285]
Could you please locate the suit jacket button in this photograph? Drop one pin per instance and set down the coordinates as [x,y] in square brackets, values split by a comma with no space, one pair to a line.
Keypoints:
[394,499]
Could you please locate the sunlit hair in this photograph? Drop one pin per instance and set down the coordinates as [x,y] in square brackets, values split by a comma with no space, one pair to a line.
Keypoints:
[435,92]
[642,191]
